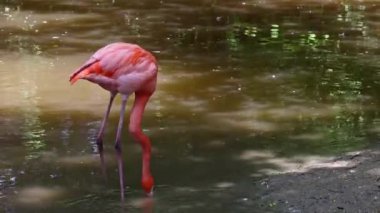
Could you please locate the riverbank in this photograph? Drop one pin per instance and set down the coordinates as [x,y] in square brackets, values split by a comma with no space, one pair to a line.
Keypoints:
[349,183]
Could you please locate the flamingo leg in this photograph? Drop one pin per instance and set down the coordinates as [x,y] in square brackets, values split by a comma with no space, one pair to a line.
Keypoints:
[124,99]
[120,166]
[99,138]
[137,111]
[102,163]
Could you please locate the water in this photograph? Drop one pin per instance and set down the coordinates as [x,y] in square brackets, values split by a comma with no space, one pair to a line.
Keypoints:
[246,89]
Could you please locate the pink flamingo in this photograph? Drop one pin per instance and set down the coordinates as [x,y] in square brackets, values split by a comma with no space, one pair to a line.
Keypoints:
[124,68]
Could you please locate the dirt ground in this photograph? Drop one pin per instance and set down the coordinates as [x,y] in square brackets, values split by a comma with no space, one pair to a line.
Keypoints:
[350,183]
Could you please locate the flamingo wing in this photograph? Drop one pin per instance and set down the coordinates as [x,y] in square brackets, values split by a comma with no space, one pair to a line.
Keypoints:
[110,61]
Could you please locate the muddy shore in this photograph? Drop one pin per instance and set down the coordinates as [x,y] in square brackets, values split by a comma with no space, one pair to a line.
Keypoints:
[349,183]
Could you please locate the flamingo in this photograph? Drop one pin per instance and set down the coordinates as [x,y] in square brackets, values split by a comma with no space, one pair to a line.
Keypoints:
[126,69]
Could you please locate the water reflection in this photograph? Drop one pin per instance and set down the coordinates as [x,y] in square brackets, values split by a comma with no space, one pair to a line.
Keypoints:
[120,166]
[32,129]
[246,89]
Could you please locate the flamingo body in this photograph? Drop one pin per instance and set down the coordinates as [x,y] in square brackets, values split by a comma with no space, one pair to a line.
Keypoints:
[120,67]
[126,69]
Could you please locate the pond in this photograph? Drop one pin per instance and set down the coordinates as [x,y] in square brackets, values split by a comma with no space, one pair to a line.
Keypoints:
[246,89]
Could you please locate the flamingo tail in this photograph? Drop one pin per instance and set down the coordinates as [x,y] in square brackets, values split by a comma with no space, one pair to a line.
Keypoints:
[81,72]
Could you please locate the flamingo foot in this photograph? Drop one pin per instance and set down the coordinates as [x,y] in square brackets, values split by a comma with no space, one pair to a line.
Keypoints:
[99,143]
[118,147]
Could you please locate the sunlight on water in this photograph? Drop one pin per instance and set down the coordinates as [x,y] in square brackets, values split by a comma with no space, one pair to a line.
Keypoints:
[297,164]
[37,195]
[34,83]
